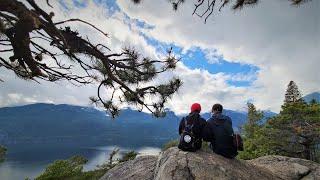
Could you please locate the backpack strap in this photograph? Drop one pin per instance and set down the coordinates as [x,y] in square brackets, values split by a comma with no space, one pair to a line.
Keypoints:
[186,123]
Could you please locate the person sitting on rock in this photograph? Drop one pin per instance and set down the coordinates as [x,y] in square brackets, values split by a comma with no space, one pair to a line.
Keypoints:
[219,133]
[190,130]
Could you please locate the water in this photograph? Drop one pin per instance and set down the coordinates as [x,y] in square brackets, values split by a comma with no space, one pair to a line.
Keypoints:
[30,162]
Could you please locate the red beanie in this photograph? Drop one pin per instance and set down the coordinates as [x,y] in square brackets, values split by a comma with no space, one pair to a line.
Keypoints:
[195,107]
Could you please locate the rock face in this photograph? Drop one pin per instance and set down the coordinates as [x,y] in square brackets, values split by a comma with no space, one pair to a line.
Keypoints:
[289,168]
[174,164]
[177,164]
[141,167]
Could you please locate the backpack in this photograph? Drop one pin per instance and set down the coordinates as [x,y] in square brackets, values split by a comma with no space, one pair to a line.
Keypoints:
[237,142]
[187,139]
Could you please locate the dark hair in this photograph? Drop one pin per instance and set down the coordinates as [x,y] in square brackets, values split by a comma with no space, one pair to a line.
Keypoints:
[217,107]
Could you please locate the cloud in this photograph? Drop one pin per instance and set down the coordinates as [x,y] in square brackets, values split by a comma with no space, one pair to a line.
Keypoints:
[207,89]
[212,56]
[16,99]
[281,40]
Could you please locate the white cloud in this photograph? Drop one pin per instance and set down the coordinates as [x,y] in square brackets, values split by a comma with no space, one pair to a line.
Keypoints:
[207,89]
[282,40]
[212,56]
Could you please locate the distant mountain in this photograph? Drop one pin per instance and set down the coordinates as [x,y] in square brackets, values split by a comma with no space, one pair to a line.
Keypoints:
[48,123]
[86,126]
[315,96]
[238,118]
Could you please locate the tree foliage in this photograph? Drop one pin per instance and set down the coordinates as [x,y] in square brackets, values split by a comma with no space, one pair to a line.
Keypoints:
[256,142]
[294,132]
[128,156]
[64,169]
[292,94]
[253,120]
[298,126]
[37,47]
[299,123]
[73,168]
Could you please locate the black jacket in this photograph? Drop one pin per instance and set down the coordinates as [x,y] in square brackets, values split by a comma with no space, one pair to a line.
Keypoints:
[198,126]
[219,133]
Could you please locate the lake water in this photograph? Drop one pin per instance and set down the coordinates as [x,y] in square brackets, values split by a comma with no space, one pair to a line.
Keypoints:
[30,162]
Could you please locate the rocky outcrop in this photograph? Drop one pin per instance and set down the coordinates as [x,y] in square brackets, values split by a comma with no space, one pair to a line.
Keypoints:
[289,168]
[174,164]
[177,164]
[141,167]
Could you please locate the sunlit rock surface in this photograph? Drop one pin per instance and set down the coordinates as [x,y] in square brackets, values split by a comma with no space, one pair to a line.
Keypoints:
[174,164]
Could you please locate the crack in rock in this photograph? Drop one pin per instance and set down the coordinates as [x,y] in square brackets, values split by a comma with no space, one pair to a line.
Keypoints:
[188,168]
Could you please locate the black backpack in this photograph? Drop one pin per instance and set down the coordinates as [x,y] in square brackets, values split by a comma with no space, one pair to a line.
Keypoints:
[187,138]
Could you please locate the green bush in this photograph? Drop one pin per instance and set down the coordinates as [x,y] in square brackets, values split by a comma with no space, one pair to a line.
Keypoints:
[64,169]
[206,147]
[128,156]
[72,169]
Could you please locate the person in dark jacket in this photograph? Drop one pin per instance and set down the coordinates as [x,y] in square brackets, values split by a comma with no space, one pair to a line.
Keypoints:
[219,133]
[198,124]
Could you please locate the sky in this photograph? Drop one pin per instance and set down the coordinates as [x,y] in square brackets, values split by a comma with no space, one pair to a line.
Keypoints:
[236,57]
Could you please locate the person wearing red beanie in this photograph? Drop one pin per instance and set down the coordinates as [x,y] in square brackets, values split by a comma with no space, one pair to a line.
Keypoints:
[191,128]
[196,107]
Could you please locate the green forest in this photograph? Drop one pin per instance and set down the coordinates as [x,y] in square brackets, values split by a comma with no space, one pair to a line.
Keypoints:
[294,132]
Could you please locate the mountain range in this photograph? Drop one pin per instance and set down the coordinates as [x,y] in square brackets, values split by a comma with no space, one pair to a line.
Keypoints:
[310,97]
[86,126]
[49,123]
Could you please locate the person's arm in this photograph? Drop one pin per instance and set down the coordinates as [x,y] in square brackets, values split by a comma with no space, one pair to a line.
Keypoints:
[207,133]
[181,126]
[229,126]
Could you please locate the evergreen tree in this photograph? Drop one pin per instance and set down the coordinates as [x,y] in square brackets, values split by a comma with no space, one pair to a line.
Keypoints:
[292,94]
[254,117]
[256,141]
[296,130]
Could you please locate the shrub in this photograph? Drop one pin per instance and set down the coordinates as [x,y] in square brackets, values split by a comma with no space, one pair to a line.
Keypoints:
[128,156]
[64,169]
